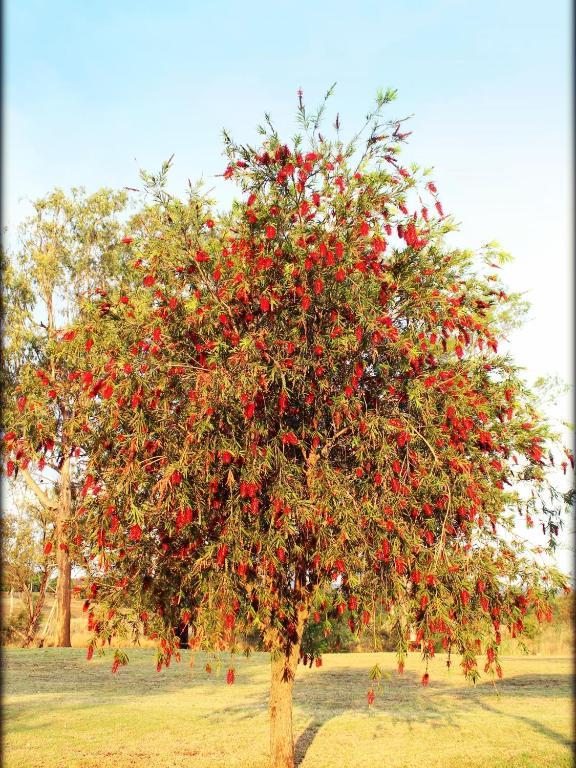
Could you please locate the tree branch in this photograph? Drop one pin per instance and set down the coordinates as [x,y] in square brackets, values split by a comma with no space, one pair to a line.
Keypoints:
[42,497]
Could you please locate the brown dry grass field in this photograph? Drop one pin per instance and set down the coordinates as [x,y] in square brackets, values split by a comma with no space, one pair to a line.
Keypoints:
[61,711]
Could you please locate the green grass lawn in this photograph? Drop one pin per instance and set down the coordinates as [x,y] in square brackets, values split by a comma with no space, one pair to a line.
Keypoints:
[61,711]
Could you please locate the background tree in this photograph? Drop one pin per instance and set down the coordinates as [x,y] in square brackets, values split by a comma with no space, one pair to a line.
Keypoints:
[71,244]
[304,400]
[27,563]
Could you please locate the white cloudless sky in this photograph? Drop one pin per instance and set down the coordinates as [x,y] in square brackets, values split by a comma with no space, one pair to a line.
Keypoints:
[95,91]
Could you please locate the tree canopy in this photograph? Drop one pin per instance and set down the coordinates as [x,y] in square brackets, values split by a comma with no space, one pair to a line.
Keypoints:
[302,396]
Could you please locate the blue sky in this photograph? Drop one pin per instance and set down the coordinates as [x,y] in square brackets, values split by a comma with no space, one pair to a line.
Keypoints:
[94,91]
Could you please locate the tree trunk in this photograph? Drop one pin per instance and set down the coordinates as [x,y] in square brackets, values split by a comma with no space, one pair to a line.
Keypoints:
[281,736]
[63,586]
[283,673]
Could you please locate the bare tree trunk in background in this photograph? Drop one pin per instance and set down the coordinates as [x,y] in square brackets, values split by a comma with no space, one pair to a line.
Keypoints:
[63,586]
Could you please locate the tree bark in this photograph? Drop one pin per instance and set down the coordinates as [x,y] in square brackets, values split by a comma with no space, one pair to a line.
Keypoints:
[283,673]
[281,735]
[63,586]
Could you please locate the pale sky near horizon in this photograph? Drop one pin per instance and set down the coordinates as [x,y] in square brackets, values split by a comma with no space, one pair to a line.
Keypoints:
[95,91]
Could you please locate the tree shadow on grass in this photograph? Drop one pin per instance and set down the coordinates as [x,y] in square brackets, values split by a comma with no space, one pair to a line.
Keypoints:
[65,679]
[304,741]
[331,693]
[535,724]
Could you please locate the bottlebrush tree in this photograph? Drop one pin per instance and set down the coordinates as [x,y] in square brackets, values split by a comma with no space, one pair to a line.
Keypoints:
[305,398]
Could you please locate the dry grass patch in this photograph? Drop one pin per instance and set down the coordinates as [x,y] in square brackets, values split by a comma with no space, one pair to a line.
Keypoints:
[63,712]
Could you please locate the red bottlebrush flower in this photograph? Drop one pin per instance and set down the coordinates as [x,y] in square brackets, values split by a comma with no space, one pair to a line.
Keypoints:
[316,617]
[364,228]
[289,438]
[226,457]
[464,596]
[148,281]
[221,556]
[249,410]
[264,304]
[425,679]
[115,665]
[305,302]
[318,286]
[359,472]
[377,478]
[69,336]
[400,565]
[400,667]
[107,391]
[230,677]
[208,669]
[366,617]
[270,232]
[340,275]
[352,603]
[127,240]
[282,402]
[90,652]
[89,344]
[47,547]
[21,403]
[371,696]
[318,661]
[10,468]
[242,569]
[176,477]
[135,533]
[209,223]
